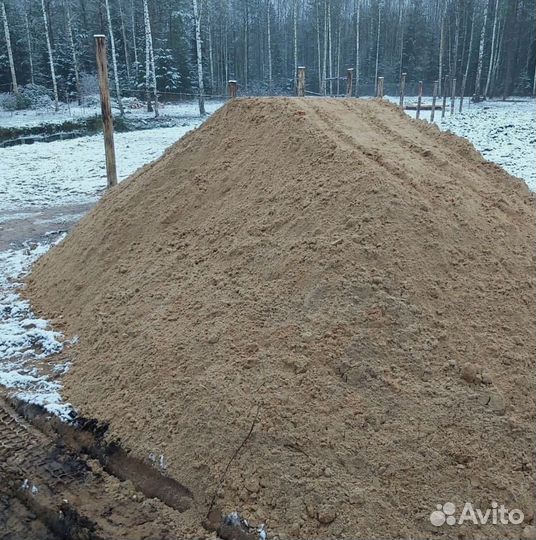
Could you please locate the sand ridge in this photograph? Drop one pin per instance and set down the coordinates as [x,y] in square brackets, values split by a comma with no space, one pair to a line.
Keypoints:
[360,281]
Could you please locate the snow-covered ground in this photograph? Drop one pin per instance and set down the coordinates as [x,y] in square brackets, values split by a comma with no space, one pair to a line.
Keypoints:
[49,175]
[73,171]
[503,131]
[26,340]
[30,118]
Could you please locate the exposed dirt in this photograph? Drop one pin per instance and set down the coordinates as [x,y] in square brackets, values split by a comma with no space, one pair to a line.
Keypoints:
[320,313]
[53,486]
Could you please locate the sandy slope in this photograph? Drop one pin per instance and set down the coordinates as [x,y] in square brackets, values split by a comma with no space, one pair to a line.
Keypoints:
[355,284]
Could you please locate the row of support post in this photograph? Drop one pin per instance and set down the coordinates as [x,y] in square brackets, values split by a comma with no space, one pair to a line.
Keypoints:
[106,108]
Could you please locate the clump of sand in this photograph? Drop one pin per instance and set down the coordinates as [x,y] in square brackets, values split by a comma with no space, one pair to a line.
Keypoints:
[353,284]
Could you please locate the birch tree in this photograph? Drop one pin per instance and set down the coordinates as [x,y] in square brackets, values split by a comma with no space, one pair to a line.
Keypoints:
[50,58]
[481,52]
[376,73]
[29,43]
[469,50]
[114,59]
[201,86]
[9,51]
[269,37]
[295,40]
[492,53]
[150,66]
[357,38]
[134,41]
[73,52]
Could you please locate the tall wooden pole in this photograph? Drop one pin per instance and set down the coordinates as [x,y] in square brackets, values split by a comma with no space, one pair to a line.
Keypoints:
[301,81]
[402,89]
[445,92]
[349,81]
[434,99]
[453,96]
[419,100]
[106,108]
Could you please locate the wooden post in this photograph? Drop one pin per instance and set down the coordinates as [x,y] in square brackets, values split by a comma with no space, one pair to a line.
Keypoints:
[300,89]
[453,96]
[402,89]
[106,108]
[462,95]
[434,99]
[445,90]
[349,81]
[379,91]
[232,89]
[419,100]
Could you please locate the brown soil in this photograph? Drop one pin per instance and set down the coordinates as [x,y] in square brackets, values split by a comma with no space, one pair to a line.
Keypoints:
[351,283]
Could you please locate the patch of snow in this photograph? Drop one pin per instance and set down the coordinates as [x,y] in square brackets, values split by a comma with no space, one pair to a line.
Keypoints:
[74,171]
[502,131]
[25,340]
[36,117]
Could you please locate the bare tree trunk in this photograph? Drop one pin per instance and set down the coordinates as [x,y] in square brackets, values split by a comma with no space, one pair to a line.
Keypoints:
[401,27]
[124,36]
[330,39]
[295,28]
[149,48]
[269,31]
[114,59]
[481,53]
[50,59]
[201,97]
[357,50]
[324,67]
[147,69]
[492,58]
[338,72]
[378,45]
[441,48]
[30,49]
[73,53]
[457,14]
[10,51]
[134,43]
[210,51]
[246,47]
[468,64]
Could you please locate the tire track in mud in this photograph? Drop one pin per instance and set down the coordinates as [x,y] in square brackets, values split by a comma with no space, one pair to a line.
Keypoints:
[50,488]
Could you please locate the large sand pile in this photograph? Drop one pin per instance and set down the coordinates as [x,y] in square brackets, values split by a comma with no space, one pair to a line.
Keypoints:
[357,282]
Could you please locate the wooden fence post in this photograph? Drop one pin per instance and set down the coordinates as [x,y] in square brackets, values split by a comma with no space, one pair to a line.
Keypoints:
[231,88]
[453,96]
[380,88]
[402,89]
[445,90]
[301,81]
[434,98]
[349,81]
[106,110]
[419,100]
[462,91]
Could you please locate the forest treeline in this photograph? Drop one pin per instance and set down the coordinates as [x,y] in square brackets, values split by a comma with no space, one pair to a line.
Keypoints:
[188,46]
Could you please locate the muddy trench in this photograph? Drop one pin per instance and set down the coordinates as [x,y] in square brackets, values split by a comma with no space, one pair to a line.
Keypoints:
[63,481]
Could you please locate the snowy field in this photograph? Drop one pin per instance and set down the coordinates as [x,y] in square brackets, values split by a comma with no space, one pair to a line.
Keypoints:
[26,340]
[73,171]
[504,132]
[52,175]
[31,118]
